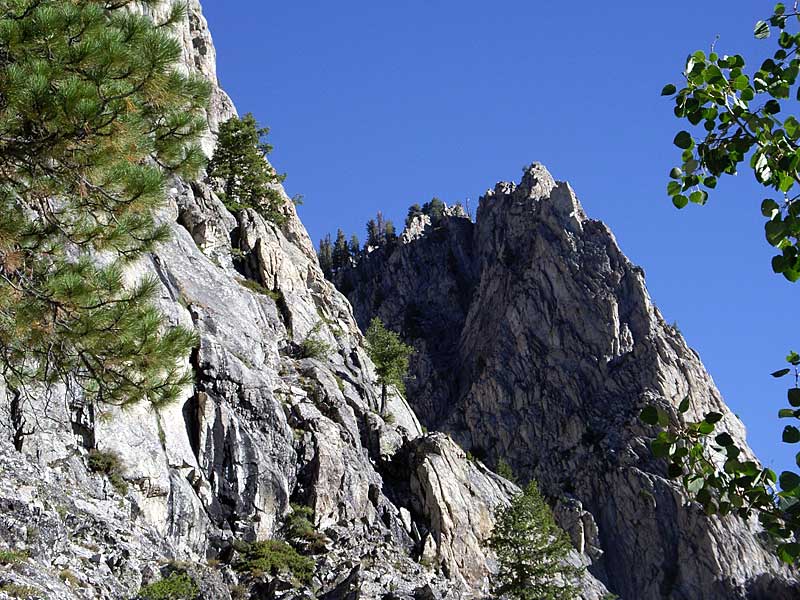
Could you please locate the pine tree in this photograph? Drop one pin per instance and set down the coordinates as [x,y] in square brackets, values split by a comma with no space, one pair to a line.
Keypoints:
[390,355]
[413,211]
[239,162]
[325,255]
[354,246]
[435,210]
[341,251]
[373,234]
[531,549]
[94,117]
[380,223]
[389,232]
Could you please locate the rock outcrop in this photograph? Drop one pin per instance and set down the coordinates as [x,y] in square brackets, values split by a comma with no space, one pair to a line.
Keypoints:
[282,412]
[537,344]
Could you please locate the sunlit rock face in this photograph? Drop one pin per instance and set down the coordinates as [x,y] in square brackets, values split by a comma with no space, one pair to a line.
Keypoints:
[403,514]
[537,344]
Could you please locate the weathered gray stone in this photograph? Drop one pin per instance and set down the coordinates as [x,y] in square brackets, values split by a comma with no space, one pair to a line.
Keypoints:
[537,344]
[261,426]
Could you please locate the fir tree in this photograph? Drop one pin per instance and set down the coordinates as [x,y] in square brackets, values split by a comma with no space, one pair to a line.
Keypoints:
[435,210]
[341,252]
[531,549]
[373,235]
[354,246]
[389,232]
[380,223]
[94,117]
[240,163]
[414,210]
[390,356]
[325,255]
[380,231]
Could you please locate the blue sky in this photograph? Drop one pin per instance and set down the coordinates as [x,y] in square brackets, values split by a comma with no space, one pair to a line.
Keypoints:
[377,105]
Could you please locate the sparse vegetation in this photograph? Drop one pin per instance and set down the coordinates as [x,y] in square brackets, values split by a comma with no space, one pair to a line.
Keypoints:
[274,557]
[257,288]
[177,586]
[69,578]
[313,346]
[108,464]
[301,533]
[15,590]
[12,557]
[505,471]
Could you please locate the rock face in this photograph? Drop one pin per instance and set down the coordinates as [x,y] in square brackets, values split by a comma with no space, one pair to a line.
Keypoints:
[537,344]
[101,501]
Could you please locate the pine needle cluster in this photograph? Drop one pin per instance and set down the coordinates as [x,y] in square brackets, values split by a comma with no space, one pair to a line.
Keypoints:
[94,117]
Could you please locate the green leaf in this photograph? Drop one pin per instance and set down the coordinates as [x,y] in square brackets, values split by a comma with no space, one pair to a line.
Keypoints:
[781,373]
[705,427]
[775,231]
[668,90]
[683,140]
[791,434]
[673,188]
[674,470]
[772,107]
[793,358]
[769,208]
[695,485]
[789,553]
[740,83]
[794,397]
[761,167]
[791,275]
[698,197]
[649,415]
[713,417]
[786,413]
[680,201]
[761,30]
[792,127]
[684,405]
[660,448]
[788,481]
[675,173]
[724,439]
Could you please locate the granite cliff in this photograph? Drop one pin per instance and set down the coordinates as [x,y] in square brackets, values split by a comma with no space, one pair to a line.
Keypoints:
[398,513]
[537,343]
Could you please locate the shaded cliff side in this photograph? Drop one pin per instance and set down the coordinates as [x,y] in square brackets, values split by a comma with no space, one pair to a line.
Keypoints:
[537,344]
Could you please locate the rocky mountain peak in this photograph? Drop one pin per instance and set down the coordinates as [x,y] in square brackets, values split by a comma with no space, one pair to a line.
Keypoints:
[538,345]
